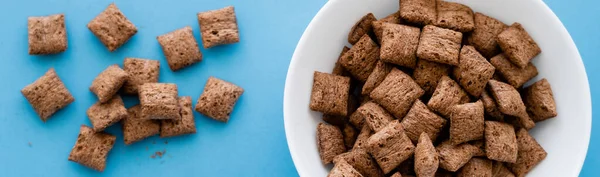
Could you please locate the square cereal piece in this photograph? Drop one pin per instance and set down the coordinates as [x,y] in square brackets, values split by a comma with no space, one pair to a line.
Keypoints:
[378,25]
[159,101]
[483,37]
[426,157]
[421,120]
[473,71]
[47,95]
[361,161]
[108,83]
[338,69]
[500,170]
[219,97]
[447,94]
[47,34]
[374,115]
[350,134]
[480,144]
[466,122]
[330,142]
[500,142]
[105,114]
[455,16]
[376,77]
[420,12]
[140,71]
[180,48]
[112,27]
[363,136]
[530,154]
[513,74]
[490,106]
[476,167]
[399,44]
[509,102]
[390,146]
[397,93]
[539,100]
[185,125]
[92,148]
[428,73]
[218,27]
[439,45]
[517,45]
[343,169]
[363,27]
[135,128]
[453,157]
[357,119]
[330,94]
[361,59]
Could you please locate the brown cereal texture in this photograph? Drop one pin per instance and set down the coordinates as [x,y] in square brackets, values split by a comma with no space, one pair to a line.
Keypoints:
[185,125]
[455,16]
[330,142]
[135,128]
[397,174]
[329,94]
[390,146]
[517,45]
[375,116]
[361,161]
[421,120]
[159,101]
[102,115]
[480,144]
[483,37]
[473,71]
[420,12]
[378,25]
[539,100]
[500,170]
[343,169]
[112,27]
[92,148]
[108,83]
[180,48]
[357,119]
[426,157]
[363,136]
[47,95]
[490,106]
[466,122]
[361,59]
[219,98]
[397,93]
[428,73]
[500,142]
[476,167]
[399,44]
[447,94]
[376,77]
[509,102]
[218,27]
[350,135]
[439,45]
[530,154]
[363,27]
[338,69]
[140,71]
[453,157]
[47,34]
[513,74]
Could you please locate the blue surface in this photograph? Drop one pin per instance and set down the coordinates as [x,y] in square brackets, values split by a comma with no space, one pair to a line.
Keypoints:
[251,144]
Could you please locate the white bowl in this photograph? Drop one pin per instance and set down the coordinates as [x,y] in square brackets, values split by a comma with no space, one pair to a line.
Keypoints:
[565,137]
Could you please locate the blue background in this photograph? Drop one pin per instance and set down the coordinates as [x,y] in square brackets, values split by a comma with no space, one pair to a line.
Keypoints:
[252,143]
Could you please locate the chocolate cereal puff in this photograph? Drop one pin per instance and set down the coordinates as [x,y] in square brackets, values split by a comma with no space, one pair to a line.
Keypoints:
[376,77]
[500,142]
[399,44]
[476,167]
[185,125]
[343,169]
[338,69]
[47,95]
[108,83]
[454,16]
[363,27]
[509,102]
[361,161]
[330,142]
[112,27]
[180,48]
[466,122]
[447,94]
[135,128]
[350,135]
[47,34]
[530,154]
[363,136]
[428,73]
[539,101]
[483,37]
[439,45]
[397,174]
[421,120]
[517,45]
[397,93]
[420,12]
[378,25]
[361,59]
[390,146]
[490,106]
[513,74]
[159,101]
[105,114]
[480,144]
[426,157]
[92,148]
[453,157]
[219,97]
[500,170]
[218,27]
[140,71]
[473,71]
[357,119]
[329,94]
[374,115]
